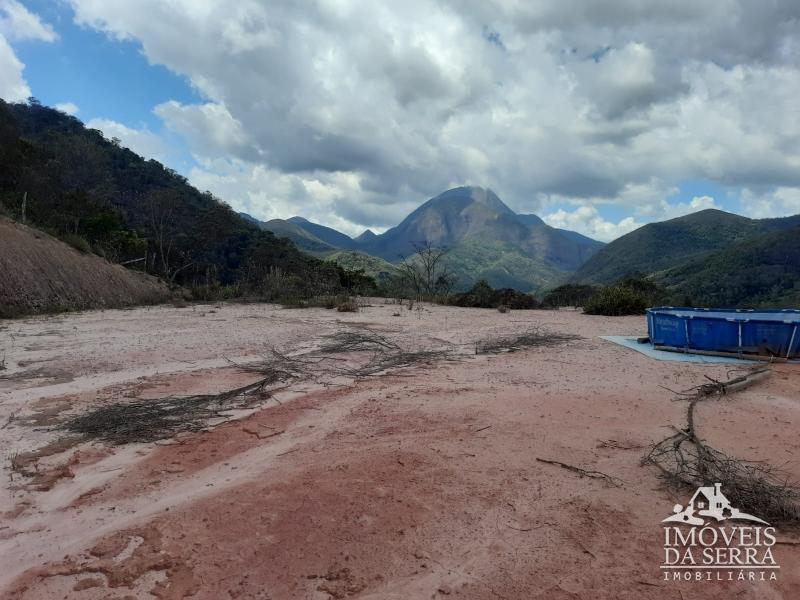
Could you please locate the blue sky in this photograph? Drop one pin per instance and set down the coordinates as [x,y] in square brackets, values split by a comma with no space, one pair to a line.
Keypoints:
[282,111]
[106,78]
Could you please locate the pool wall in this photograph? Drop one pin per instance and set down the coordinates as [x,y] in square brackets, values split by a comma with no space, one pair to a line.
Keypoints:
[770,333]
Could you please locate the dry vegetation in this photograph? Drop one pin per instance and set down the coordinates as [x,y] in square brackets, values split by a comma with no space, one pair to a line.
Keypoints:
[369,353]
[535,337]
[151,420]
[685,460]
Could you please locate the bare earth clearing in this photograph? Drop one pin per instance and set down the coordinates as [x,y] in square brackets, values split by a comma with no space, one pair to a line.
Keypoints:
[418,483]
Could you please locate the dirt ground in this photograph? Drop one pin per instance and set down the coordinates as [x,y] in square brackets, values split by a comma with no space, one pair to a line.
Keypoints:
[417,483]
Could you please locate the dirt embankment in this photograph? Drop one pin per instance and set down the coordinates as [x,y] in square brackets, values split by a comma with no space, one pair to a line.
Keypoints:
[40,274]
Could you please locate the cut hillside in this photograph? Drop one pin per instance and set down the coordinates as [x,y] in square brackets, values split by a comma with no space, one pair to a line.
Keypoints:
[762,271]
[40,274]
[669,244]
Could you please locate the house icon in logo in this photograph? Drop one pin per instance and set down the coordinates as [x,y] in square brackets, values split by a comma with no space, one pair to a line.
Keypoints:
[708,501]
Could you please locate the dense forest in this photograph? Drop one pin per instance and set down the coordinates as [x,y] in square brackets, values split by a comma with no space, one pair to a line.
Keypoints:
[59,176]
[762,271]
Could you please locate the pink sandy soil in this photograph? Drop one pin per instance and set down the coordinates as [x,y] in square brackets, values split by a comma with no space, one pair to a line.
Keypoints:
[421,483]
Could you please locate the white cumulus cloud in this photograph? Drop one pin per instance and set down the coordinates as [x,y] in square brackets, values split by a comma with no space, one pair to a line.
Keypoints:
[587,220]
[69,108]
[17,23]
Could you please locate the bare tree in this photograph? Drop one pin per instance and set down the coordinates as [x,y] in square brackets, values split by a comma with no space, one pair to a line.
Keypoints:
[425,273]
[161,213]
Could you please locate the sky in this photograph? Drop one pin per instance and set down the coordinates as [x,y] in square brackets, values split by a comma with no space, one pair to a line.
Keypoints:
[597,115]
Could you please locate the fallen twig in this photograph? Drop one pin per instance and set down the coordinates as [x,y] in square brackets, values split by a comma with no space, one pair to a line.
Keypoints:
[615,481]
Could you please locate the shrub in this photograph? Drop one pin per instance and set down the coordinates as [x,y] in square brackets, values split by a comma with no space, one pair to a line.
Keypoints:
[502,309]
[570,294]
[482,295]
[78,242]
[617,300]
[348,306]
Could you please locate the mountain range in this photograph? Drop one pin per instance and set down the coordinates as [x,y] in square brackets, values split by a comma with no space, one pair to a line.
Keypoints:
[710,257]
[485,239]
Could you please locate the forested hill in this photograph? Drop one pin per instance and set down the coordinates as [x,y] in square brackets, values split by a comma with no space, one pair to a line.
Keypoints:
[760,271]
[103,198]
[659,246]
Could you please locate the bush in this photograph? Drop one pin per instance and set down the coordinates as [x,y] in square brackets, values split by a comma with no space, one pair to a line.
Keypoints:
[570,294]
[502,309]
[348,306]
[78,242]
[482,295]
[617,300]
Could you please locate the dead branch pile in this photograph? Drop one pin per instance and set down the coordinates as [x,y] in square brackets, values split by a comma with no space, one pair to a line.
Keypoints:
[361,340]
[398,359]
[369,353]
[158,419]
[535,337]
[371,356]
[685,460]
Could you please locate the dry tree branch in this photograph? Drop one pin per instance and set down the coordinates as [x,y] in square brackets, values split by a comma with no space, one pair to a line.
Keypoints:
[151,420]
[535,337]
[686,461]
[615,481]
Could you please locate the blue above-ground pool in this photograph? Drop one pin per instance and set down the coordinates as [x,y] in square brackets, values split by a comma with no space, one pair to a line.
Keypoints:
[767,333]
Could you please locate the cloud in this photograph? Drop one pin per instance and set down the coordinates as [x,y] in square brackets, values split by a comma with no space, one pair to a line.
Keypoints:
[336,199]
[18,23]
[209,128]
[141,141]
[780,202]
[69,108]
[587,220]
[679,209]
[386,104]
[13,87]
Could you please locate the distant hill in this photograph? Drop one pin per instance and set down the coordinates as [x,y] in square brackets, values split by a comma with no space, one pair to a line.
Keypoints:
[328,235]
[367,236]
[373,266]
[313,238]
[760,271]
[42,274]
[669,244]
[299,236]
